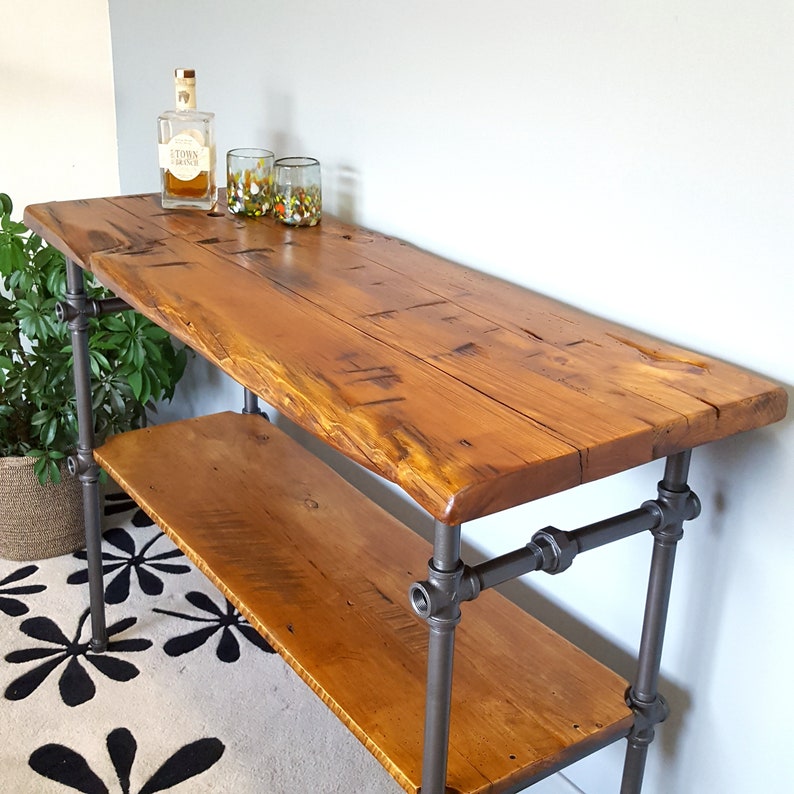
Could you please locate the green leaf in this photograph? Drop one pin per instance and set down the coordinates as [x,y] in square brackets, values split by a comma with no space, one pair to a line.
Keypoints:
[153,350]
[56,282]
[135,380]
[146,388]
[54,472]
[16,227]
[12,256]
[115,323]
[49,431]
[40,468]
[153,331]
[101,360]
[40,417]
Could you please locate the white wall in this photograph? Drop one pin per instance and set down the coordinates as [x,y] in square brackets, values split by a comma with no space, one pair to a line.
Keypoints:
[635,159]
[57,111]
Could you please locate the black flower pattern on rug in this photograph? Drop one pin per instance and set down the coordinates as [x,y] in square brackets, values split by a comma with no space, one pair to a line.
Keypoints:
[13,607]
[219,619]
[116,503]
[127,559]
[63,765]
[75,684]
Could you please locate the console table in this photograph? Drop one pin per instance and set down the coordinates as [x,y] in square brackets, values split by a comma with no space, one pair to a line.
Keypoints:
[472,395]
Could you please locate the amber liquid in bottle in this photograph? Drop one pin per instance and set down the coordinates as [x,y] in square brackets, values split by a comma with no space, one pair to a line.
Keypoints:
[195,188]
[186,139]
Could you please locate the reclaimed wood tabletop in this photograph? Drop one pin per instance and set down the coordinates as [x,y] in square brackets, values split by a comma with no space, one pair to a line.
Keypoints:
[471,393]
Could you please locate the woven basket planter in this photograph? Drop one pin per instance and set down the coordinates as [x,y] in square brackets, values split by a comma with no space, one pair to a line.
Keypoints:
[38,521]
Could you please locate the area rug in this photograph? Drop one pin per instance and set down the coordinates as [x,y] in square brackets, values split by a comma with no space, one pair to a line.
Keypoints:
[187,698]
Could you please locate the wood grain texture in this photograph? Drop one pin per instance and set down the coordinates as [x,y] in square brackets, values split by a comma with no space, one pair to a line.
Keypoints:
[322,574]
[471,393]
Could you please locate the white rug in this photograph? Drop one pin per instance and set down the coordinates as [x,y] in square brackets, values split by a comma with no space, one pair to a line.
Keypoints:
[188,698]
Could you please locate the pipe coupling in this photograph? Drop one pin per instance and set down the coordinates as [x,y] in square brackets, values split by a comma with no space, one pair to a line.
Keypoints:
[557,548]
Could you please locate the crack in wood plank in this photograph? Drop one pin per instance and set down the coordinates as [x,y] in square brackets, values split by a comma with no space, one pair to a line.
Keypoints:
[657,355]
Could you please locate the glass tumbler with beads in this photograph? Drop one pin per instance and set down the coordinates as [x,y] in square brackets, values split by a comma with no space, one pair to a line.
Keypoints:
[297,193]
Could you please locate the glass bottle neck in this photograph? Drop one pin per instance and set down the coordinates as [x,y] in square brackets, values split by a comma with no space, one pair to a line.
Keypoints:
[185,93]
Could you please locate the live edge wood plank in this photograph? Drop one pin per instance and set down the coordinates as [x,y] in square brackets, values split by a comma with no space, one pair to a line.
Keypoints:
[322,574]
[470,393]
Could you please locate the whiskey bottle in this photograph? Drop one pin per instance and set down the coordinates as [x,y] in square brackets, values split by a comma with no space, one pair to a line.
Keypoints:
[186,139]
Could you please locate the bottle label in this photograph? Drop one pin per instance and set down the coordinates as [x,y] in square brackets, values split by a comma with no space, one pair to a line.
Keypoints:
[185,89]
[185,155]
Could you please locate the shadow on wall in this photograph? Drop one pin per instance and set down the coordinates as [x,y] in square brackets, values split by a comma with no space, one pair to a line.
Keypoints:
[347,184]
[737,480]
[341,182]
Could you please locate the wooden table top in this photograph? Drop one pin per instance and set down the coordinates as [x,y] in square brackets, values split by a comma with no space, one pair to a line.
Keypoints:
[470,393]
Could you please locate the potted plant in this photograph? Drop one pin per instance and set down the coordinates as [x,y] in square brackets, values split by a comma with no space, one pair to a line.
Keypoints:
[134,363]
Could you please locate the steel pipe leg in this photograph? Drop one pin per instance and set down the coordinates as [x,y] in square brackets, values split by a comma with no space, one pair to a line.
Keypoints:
[678,503]
[441,649]
[92,513]
[251,404]
[438,602]
[83,464]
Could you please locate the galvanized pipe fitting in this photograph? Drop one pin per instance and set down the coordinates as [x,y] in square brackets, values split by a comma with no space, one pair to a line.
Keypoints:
[66,311]
[557,549]
[82,462]
[671,508]
[437,599]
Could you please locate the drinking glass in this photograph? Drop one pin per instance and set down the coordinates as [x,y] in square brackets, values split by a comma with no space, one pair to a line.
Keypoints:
[249,181]
[297,195]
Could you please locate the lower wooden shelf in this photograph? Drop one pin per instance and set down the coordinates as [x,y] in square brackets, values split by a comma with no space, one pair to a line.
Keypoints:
[322,573]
